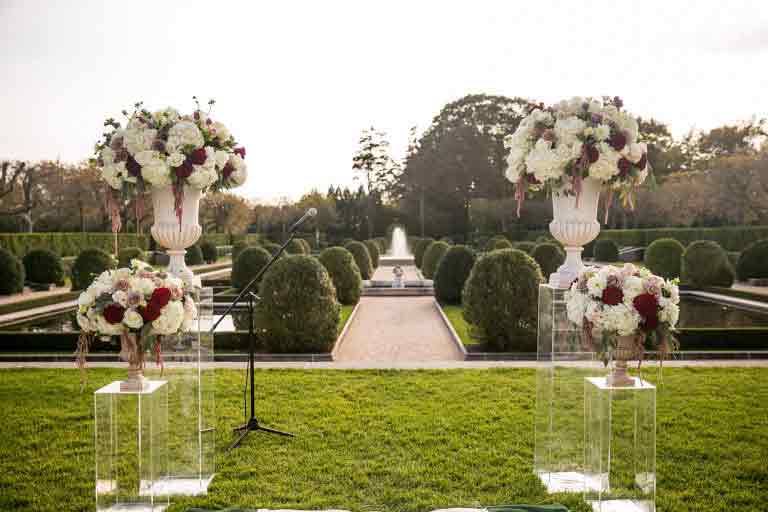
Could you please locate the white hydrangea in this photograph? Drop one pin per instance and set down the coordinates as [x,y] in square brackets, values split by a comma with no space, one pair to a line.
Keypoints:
[105,327]
[170,319]
[240,173]
[184,133]
[568,129]
[175,159]
[544,162]
[620,318]
[602,132]
[606,166]
[221,131]
[156,173]
[138,139]
[107,156]
[633,286]
[670,313]
[576,305]
[221,158]
[114,175]
[203,177]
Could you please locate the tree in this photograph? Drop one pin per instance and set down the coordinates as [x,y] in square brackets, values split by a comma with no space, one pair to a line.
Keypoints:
[326,212]
[225,213]
[379,171]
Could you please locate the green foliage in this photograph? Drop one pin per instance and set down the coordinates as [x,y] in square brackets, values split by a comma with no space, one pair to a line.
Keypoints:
[431,258]
[210,252]
[374,251]
[299,311]
[452,273]
[270,247]
[11,273]
[705,263]
[549,256]
[753,261]
[44,267]
[419,249]
[306,245]
[194,255]
[88,266]
[125,256]
[247,265]
[606,250]
[526,247]
[498,242]
[238,248]
[217,239]
[362,258]
[663,257]
[344,273]
[295,247]
[68,244]
[501,300]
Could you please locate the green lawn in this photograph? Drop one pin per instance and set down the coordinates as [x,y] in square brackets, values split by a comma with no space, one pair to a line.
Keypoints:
[456,317]
[346,311]
[391,440]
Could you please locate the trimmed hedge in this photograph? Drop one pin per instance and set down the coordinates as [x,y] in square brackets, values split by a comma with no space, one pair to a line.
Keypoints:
[270,247]
[362,258]
[419,249]
[216,239]
[664,256]
[374,251]
[11,273]
[526,247]
[298,312]
[210,251]
[238,248]
[344,273]
[88,266]
[44,267]
[496,244]
[69,244]
[431,258]
[753,261]
[125,256]
[606,251]
[549,256]
[295,247]
[194,255]
[248,263]
[705,263]
[501,300]
[452,272]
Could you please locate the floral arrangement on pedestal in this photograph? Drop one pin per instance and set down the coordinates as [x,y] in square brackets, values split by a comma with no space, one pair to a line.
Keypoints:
[623,311]
[165,148]
[139,304]
[576,139]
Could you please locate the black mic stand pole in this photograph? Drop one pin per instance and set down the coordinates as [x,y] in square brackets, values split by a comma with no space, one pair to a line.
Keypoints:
[253,423]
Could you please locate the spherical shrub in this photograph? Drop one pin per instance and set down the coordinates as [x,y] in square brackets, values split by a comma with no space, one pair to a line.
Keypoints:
[589,250]
[295,247]
[194,255]
[238,248]
[125,256]
[705,263]
[88,266]
[753,261]
[11,273]
[247,265]
[305,244]
[452,273]
[344,273]
[501,300]
[431,259]
[498,242]
[526,247]
[298,312]
[270,247]
[44,267]
[382,244]
[362,258]
[663,257]
[549,256]
[606,250]
[725,276]
[210,252]
[419,250]
[373,250]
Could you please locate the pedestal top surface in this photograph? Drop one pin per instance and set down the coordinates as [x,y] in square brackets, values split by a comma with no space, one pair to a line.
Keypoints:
[602,383]
[113,388]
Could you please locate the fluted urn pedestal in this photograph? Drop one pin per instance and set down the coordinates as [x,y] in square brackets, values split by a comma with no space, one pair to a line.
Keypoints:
[174,234]
[574,225]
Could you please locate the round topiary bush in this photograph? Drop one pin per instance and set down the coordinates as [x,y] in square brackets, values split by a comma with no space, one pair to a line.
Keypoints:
[295,247]
[606,250]
[526,247]
[270,247]
[11,273]
[44,267]
[247,265]
[753,261]
[362,258]
[431,259]
[704,263]
[373,250]
[663,257]
[210,252]
[419,249]
[498,242]
[501,300]
[549,256]
[88,266]
[344,273]
[194,255]
[305,244]
[125,256]
[452,273]
[298,312]
[238,248]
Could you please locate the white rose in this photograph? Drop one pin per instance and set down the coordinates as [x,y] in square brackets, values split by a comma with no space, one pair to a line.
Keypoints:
[144,286]
[175,159]
[86,298]
[221,131]
[120,297]
[240,173]
[133,319]
[602,132]
[221,157]
[606,166]
[105,327]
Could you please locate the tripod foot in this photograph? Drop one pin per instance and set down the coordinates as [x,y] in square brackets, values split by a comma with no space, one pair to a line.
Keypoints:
[253,426]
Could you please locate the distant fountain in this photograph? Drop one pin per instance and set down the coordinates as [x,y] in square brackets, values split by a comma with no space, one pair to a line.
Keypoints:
[398,253]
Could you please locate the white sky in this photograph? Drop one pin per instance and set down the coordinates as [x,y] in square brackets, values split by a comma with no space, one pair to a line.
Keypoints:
[297,81]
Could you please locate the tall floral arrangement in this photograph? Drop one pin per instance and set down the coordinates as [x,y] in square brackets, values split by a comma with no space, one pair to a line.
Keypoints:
[166,148]
[575,139]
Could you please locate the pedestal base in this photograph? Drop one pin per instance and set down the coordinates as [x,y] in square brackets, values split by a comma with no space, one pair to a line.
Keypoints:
[622,506]
[182,486]
[127,507]
[567,481]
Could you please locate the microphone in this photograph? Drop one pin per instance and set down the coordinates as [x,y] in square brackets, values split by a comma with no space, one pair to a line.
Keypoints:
[310,213]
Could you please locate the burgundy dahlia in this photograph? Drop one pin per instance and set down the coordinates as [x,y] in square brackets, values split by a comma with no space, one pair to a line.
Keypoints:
[643,161]
[646,304]
[160,297]
[624,167]
[612,295]
[113,313]
[197,157]
[150,313]
[617,141]
[592,153]
[227,170]
[184,170]
[133,167]
[240,151]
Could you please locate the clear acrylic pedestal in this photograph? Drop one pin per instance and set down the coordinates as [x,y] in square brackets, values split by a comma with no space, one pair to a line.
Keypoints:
[131,439]
[188,369]
[620,446]
[559,414]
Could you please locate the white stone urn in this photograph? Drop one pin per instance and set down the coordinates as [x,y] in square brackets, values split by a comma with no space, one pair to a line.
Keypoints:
[574,226]
[176,236]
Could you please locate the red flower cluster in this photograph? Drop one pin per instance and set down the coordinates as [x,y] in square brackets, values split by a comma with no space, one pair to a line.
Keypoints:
[617,141]
[648,307]
[184,170]
[612,295]
[240,151]
[624,167]
[160,297]
[113,313]
[197,157]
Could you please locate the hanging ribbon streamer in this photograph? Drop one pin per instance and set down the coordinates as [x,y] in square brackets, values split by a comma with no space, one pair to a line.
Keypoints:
[520,188]
[608,203]
[178,201]
[158,349]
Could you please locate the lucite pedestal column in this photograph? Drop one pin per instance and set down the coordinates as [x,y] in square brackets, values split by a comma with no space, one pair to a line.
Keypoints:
[620,446]
[131,440]
[559,414]
[188,369]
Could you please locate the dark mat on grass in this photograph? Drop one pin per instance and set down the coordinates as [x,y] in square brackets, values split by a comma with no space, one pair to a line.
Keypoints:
[499,508]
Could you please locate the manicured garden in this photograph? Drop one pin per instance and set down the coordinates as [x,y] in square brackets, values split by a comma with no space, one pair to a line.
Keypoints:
[391,440]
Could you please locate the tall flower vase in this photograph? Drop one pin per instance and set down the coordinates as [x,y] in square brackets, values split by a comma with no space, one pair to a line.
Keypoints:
[176,236]
[625,350]
[132,351]
[574,225]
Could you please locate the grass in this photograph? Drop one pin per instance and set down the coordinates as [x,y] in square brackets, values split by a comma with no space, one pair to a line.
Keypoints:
[391,440]
[456,317]
[346,311]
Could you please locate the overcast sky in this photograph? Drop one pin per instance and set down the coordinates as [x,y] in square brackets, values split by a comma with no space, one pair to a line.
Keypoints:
[297,81]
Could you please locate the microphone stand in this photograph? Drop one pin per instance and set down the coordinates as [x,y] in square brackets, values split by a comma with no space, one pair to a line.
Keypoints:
[252,424]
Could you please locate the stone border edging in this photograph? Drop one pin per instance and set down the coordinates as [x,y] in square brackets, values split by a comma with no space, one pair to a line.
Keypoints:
[451,330]
[340,337]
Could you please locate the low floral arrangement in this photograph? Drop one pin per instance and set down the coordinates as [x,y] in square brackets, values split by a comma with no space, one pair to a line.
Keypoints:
[576,139]
[622,302]
[165,148]
[139,304]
